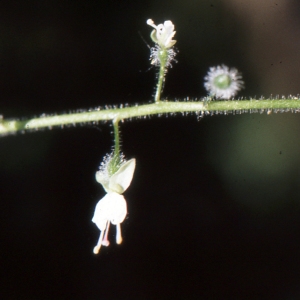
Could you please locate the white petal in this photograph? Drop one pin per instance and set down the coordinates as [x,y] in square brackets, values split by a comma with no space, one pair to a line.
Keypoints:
[112,207]
[120,181]
[101,214]
[163,33]
[117,208]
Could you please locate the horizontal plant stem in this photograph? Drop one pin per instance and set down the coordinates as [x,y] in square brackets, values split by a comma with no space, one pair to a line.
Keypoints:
[163,107]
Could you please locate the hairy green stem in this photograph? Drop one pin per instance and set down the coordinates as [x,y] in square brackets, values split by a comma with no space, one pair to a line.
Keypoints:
[163,57]
[114,164]
[162,107]
[116,137]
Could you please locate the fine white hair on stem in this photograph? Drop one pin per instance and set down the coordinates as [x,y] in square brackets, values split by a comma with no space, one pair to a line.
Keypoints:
[155,59]
[222,82]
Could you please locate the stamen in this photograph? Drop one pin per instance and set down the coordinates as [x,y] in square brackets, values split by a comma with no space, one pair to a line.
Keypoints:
[105,241]
[119,235]
[151,23]
[98,246]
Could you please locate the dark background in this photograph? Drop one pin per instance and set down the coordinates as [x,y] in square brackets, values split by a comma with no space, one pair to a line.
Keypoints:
[214,208]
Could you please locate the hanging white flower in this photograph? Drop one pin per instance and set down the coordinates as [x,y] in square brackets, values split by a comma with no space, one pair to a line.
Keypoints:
[163,34]
[222,82]
[112,208]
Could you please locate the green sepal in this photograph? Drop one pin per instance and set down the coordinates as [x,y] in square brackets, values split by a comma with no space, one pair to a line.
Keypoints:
[153,36]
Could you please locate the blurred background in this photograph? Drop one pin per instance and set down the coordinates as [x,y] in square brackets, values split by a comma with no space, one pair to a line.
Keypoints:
[214,206]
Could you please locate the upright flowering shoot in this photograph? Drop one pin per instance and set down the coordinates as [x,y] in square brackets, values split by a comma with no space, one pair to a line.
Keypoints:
[163,53]
[115,176]
[222,82]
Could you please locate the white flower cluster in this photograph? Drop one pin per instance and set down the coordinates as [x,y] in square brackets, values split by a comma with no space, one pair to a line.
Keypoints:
[112,208]
[222,82]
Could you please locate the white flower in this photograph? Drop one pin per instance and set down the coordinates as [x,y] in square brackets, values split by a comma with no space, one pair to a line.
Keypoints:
[112,208]
[163,34]
[222,82]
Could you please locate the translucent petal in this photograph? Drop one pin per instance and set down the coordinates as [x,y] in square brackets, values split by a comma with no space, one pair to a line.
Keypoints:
[101,214]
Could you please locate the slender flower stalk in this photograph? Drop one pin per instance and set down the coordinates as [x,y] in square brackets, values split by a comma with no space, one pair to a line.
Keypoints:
[161,75]
[116,158]
[116,136]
